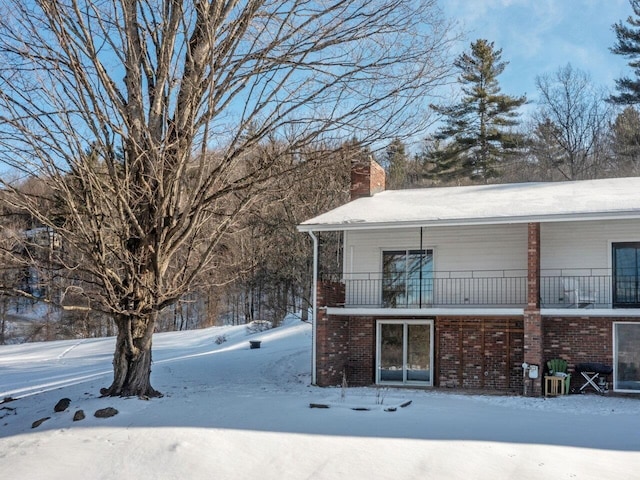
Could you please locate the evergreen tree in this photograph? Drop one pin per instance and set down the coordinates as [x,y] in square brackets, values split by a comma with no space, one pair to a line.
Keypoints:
[625,142]
[397,165]
[628,45]
[478,129]
[546,150]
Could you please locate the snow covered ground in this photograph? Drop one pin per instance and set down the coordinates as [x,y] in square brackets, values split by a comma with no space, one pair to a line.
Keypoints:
[231,412]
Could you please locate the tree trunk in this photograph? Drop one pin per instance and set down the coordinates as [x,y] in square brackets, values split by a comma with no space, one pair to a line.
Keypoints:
[132,359]
[4,307]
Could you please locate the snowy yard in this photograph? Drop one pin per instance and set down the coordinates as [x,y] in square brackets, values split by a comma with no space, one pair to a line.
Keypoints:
[231,412]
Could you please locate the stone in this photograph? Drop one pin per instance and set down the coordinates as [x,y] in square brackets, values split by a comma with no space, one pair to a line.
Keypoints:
[37,423]
[106,412]
[79,415]
[62,405]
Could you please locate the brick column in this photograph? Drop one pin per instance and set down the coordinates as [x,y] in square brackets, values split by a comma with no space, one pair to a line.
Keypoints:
[533,266]
[332,335]
[533,334]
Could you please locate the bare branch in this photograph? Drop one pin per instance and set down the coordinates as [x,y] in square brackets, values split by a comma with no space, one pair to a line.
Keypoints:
[144,119]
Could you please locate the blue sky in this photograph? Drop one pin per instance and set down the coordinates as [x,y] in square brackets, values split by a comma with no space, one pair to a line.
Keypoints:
[539,36]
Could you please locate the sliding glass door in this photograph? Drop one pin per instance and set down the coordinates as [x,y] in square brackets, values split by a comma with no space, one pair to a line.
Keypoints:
[626,341]
[407,278]
[626,275]
[404,352]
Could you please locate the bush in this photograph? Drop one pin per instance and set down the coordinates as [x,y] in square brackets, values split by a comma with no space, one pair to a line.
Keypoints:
[259,326]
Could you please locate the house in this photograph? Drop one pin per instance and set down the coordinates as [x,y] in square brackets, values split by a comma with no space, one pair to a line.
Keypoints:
[37,247]
[474,287]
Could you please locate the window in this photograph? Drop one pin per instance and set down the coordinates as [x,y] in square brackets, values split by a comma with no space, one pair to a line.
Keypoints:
[626,274]
[407,278]
[626,340]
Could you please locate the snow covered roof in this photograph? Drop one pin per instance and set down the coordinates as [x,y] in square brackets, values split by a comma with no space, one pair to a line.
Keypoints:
[612,198]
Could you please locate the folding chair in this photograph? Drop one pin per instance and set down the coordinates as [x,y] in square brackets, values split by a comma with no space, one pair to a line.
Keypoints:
[591,373]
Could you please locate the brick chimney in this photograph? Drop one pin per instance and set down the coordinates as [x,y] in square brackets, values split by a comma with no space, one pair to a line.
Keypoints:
[367,178]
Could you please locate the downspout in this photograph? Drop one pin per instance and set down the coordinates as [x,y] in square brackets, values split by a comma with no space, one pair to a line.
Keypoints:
[421,265]
[314,307]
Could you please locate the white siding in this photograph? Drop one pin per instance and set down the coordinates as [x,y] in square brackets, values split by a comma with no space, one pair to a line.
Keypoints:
[582,252]
[568,249]
[499,247]
[583,245]
[469,262]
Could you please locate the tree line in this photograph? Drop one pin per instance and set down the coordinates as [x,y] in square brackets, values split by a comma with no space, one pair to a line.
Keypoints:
[262,269]
[576,130]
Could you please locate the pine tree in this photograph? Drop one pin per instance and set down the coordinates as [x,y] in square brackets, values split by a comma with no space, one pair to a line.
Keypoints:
[628,45]
[625,142]
[397,165]
[546,150]
[477,130]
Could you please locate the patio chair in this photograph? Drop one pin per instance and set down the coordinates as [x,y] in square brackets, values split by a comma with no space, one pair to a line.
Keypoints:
[575,294]
[558,367]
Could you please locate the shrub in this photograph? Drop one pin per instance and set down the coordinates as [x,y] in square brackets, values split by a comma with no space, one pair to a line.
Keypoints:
[259,326]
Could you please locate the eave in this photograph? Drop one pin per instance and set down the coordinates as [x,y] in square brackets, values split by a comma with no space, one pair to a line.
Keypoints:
[453,222]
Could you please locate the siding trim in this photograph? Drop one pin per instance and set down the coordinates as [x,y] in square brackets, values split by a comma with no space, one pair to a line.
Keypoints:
[425,312]
[590,312]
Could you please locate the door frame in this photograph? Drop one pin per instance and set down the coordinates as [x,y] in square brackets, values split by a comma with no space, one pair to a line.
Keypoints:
[423,281]
[614,296]
[405,323]
[615,379]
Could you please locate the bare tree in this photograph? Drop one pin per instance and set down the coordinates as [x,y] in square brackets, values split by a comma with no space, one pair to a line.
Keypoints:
[28,278]
[571,125]
[279,269]
[139,115]
[11,275]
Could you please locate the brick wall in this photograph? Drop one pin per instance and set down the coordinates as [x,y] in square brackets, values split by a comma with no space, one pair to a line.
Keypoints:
[332,335]
[345,344]
[580,340]
[470,353]
[479,353]
[330,294]
[367,178]
[473,353]
[332,348]
[362,351]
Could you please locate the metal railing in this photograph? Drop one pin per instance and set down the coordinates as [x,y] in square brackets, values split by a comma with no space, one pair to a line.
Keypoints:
[559,288]
[573,290]
[437,289]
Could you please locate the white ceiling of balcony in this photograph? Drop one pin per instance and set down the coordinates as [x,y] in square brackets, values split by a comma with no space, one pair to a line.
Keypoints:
[614,198]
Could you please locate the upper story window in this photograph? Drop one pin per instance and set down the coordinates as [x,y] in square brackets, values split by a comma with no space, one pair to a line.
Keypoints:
[407,278]
[626,274]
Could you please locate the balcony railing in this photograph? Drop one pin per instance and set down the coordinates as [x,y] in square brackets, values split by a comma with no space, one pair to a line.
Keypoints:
[576,288]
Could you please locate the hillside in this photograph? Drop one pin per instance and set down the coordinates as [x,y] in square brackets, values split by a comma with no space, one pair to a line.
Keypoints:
[231,412]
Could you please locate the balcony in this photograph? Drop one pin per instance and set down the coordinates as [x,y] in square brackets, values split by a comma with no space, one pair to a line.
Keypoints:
[580,288]
[559,288]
